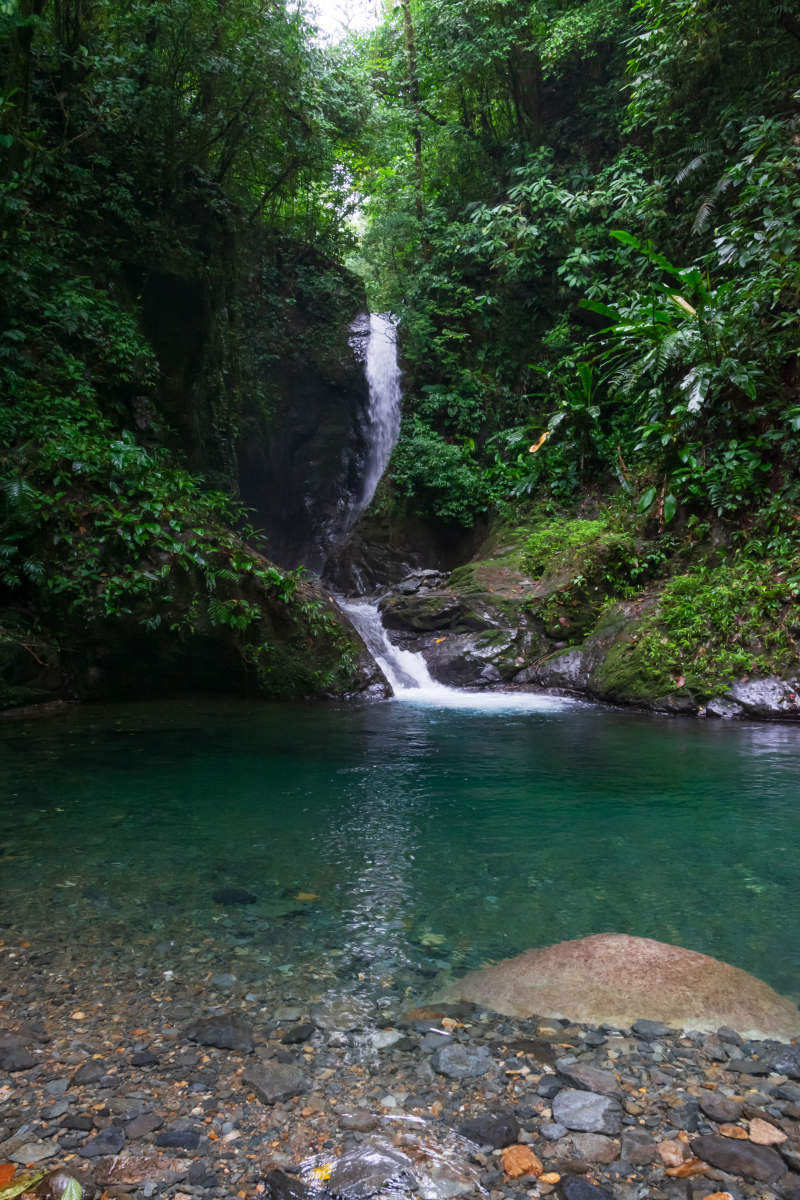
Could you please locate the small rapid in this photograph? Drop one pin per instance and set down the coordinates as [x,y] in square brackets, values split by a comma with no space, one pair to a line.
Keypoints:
[410,679]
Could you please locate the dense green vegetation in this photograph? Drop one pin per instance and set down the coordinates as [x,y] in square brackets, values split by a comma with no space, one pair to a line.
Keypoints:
[584,215]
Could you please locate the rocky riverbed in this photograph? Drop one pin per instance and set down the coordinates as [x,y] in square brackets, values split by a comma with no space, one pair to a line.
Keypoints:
[184,1083]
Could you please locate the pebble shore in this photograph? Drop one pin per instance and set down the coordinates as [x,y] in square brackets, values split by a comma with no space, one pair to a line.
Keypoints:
[192,1085]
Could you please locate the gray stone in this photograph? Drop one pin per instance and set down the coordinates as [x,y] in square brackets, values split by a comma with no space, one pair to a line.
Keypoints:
[274,1081]
[91,1072]
[56,1087]
[720,1108]
[201,1174]
[553,1131]
[782,1060]
[56,1110]
[724,710]
[576,1187]
[789,1091]
[139,1127]
[365,1171]
[233,895]
[595,1147]
[788,1187]
[770,697]
[178,1139]
[791,1153]
[650,1030]
[434,1041]
[740,1157]
[347,1013]
[17,1060]
[360,1121]
[638,1146]
[110,1141]
[224,981]
[587,1112]
[33,1152]
[497,1130]
[684,1115]
[144,1058]
[298,1033]
[461,1062]
[228,1031]
[590,1079]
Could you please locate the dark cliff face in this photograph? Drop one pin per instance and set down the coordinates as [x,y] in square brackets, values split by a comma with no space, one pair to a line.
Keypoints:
[301,473]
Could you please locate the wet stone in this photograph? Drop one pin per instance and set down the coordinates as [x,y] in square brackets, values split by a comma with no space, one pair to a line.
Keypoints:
[685,1115]
[145,1058]
[347,1013]
[279,1186]
[274,1082]
[91,1072]
[201,1174]
[110,1141]
[720,1108]
[360,1121]
[178,1140]
[34,1152]
[576,1187]
[492,1129]
[740,1157]
[590,1079]
[461,1062]
[228,1031]
[650,1030]
[587,1112]
[233,895]
[17,1060]
[139,1127]
[595,1147]
[298,1033]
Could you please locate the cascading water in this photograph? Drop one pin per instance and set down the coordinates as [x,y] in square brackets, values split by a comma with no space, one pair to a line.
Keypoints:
[383,415]
[410,679]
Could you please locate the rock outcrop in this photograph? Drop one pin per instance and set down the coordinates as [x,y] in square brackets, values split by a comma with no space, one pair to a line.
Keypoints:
[617,978]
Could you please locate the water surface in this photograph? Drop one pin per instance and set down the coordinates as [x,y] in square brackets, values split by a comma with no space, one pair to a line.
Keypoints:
[437,837]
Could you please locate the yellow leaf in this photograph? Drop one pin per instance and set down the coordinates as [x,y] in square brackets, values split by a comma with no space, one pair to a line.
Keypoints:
[684,304]
[306,896]
[538,444]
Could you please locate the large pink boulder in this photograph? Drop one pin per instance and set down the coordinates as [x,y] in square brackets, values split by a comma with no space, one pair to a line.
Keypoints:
[616,978]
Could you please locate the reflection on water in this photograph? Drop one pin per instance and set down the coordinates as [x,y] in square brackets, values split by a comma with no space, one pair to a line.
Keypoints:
[421,841]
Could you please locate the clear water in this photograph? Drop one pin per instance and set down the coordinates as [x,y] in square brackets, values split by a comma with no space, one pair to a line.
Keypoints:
[492,830]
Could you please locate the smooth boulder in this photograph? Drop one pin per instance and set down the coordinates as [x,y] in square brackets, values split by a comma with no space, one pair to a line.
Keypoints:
[275,1081]
[615,978]
[740,1157]
[587,1112]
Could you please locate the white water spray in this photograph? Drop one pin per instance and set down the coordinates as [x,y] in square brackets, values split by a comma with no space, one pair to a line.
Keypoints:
[410,679]
[383,415]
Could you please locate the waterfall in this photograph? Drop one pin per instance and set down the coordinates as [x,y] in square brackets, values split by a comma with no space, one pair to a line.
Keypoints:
[410,679]
[383,414]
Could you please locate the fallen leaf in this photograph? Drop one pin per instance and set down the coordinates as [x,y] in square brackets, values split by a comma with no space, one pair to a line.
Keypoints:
[306,896]
[678,680]
[520,1160]
[6,1172]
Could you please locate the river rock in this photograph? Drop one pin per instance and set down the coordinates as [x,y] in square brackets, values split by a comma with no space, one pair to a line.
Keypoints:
[720,1108]
[233,895]
[461,1062]
[139,1169]
[228,1031]
[360,1121]
[577,1187]
[595,1147]
[590,1079]
[178,1139]
[90,1072]
[110,1141]
[144,1058]
[782,1060]
[740,1158]
[33,1152]
[638,1146]
[650,1030]
[553,1131]
[587,1112]
[346,1013]
[301,1033]
[615,978]
[17,1060]
[684,1113]
[274,1081]
[139,1127]
[365,1171]
[491,1129]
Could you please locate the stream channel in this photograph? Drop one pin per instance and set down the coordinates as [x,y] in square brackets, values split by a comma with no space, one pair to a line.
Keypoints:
[396,844]
[432,838]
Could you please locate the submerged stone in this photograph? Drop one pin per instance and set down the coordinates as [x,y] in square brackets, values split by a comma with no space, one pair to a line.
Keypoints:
[617,978]
[228,1031]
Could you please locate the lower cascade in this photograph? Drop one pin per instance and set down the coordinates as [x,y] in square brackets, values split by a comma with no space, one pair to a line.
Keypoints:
[410,679]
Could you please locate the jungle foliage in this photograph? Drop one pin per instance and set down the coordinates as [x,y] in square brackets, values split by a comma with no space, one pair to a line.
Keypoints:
[586,219]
